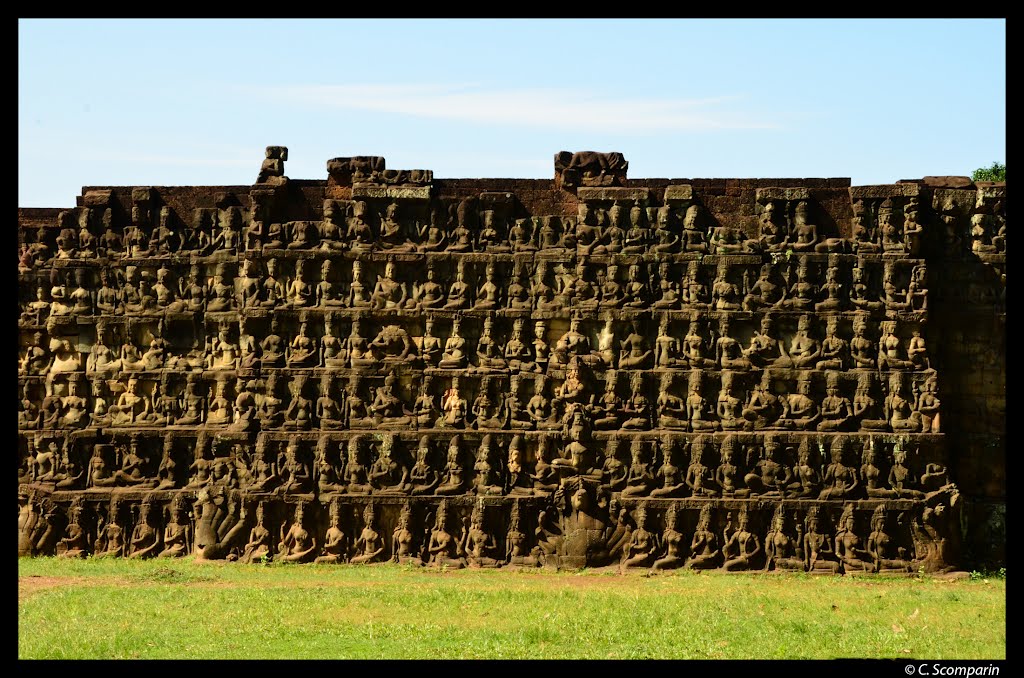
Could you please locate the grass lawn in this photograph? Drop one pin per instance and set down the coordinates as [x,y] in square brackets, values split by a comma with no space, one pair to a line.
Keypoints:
[185,609]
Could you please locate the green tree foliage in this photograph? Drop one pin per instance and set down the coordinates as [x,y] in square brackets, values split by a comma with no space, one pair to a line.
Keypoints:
[997,172]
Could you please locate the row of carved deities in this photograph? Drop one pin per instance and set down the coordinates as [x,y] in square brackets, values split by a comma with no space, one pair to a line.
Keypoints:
[616,345]
[494,465]
[793,285]
[252,405]
[833,537]
[607,226]
[603,224]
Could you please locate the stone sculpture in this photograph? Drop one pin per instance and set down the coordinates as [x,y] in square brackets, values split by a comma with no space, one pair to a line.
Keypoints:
[381,366]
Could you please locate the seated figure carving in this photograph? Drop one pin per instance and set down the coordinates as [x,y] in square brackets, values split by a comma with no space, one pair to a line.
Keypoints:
[424,477]
[728,352]
[393,236]
[329,412]
[900,411]
[666,231]
[695,347]
[328,292]
[764,293]
[783,551]
[742,548]
[705,552]
[643,546]
[294,472]
[459,290]
[766,350]
[802,294]
[488,352]
[392,345]
[636,291]
[358,294]
[369,546]
[725,295]
[841,481]
[672,477]
[387,475]
[640,476]
[299,415]
[634,353]
[388,408]
[729,406]
[453,479]
[692,239]
[698,411]
[667,348]
[357,409]
[454,408]
[849,548]
[429,295]
[388,293]
[728,475]
[819,551]
[455,353]
[836,409]
[886,552]
[669,294]
[771,475]
[800,411]
[270,411]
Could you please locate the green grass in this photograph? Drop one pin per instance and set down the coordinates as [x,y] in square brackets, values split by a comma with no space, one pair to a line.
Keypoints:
[183,609]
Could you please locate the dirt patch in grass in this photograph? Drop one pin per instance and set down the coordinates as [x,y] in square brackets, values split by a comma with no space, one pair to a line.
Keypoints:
[36,583]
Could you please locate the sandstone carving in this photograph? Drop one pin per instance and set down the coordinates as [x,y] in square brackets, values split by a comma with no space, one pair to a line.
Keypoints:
[383,366]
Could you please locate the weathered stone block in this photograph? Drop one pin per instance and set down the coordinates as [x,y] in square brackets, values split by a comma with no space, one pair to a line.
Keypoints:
[948,182]
[391,192]
[99,198]
[885,191]
[613,194]
[678,193]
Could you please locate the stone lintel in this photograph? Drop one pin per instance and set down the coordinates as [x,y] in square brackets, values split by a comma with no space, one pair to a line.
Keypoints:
[779,193]
[392,192]
[885,191]
[587,193]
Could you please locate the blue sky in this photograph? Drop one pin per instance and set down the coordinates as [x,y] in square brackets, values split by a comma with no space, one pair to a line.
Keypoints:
[150,102]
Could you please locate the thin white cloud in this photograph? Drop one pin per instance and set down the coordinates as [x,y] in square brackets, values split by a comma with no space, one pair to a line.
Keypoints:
[569,108]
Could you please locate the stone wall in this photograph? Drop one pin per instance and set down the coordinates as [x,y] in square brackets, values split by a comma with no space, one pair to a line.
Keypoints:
[585,371]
